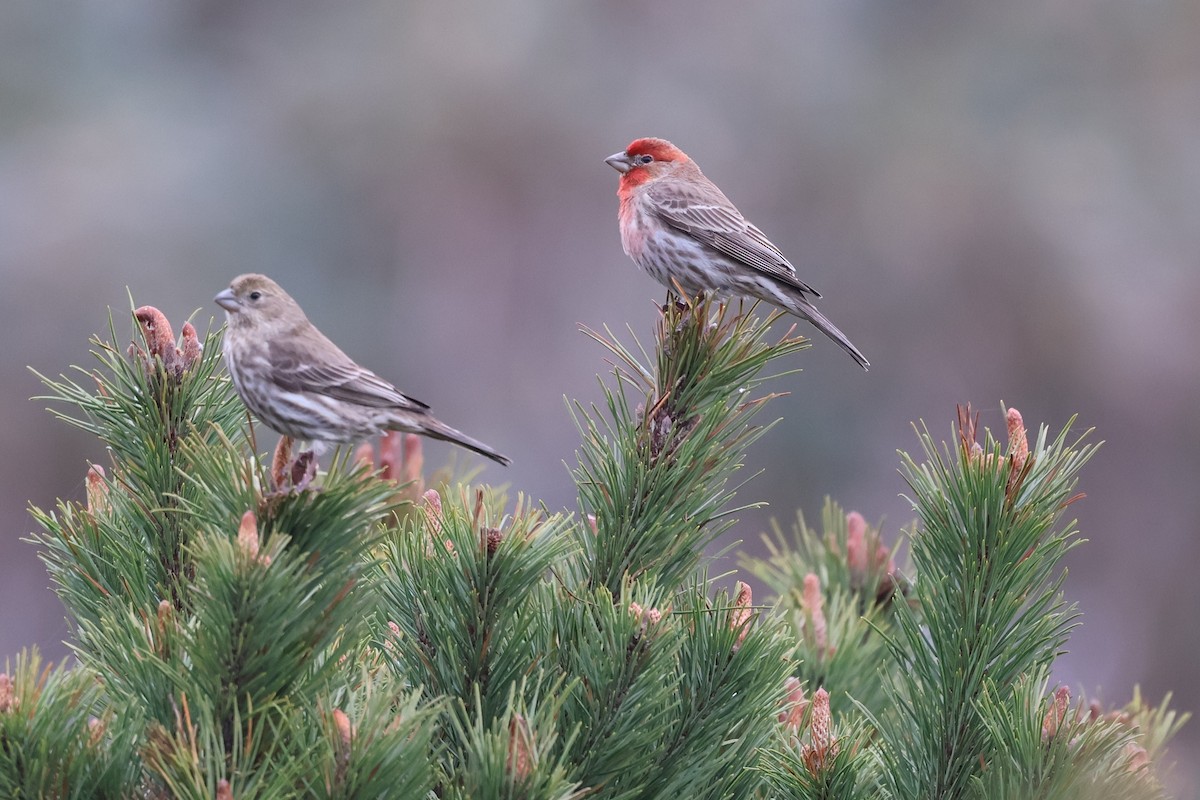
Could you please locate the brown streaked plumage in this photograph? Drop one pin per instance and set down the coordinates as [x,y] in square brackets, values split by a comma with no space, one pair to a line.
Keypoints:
[682,230]
[301,384]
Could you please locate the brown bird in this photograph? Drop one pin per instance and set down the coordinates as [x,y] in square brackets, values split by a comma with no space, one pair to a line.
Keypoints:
[682,230]
[300,384]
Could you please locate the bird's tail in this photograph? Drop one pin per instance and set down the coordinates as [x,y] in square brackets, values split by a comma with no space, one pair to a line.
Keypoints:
[797,304]
[436,429]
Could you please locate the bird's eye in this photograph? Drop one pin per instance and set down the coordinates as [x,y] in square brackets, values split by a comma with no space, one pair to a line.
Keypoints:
[255,295]
[645,159]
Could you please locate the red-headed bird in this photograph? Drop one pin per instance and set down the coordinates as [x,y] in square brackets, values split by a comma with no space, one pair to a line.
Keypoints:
[681,229]
[300,384]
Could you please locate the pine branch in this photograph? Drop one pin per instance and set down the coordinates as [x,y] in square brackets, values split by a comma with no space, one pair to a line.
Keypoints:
[654,478]
[144,408]
[57,736]
[345,641]
[987,552]
[837,590]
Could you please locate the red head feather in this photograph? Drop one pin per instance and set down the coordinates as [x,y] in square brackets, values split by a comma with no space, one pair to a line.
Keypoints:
[660,149]
[664,153]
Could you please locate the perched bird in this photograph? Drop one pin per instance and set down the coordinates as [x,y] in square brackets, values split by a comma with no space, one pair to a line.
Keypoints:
[302,385]
[681,229]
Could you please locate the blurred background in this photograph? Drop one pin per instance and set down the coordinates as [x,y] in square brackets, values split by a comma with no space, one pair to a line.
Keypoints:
[999,201]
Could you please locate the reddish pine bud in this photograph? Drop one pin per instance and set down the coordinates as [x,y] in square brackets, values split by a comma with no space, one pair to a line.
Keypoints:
[393,633]
[1139,759]
[345,729]
[365,454]
[1056,713]
[431,502]
[165,622]
[414,459]
[160,340]
[739,617]
[794,704]
[1018,439]
[520,748]
[856,545]
[812,604]
[192,348]
[247,535]
[281,461]
[224,791]
[8,694]
[97,490]
[823,748]
[95,731]
[822,720]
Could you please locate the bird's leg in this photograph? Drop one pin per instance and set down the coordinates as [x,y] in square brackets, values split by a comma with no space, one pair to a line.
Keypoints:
[290,474]
[677,298]
[304,469]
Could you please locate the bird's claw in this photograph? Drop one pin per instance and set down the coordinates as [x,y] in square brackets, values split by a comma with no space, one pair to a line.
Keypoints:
[303,470]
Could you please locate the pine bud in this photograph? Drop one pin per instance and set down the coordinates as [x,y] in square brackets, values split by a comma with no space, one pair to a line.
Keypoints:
[823,748]
[822,720]
[165,623]
[794,704]
[365,454]
[646,615]
[739,617]
[345,736]
[247,535]
[414,460]
[431,502]
[280,462]
[492,539]
[8,695]
[520,748]
[160,340]
[192,348]
[1018,439]
[1139,759]
[224,791]
[393,633]
[856,546]
[345,729]
[1056,713]
[97,490]
[812,604]
[95,731]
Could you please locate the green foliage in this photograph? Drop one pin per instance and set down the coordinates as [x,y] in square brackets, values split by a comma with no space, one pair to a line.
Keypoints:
[1072,753]
[654,475]
[840,769]
[460,595]
[58,736]
[840,636]
[143,411]
[240,639]
[987,554]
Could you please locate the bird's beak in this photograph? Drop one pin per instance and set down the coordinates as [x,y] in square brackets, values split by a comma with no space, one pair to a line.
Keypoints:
[621,162]
[227,301]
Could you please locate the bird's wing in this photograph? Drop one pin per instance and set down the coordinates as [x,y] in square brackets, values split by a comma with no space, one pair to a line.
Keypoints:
[702,211]
[326,370]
